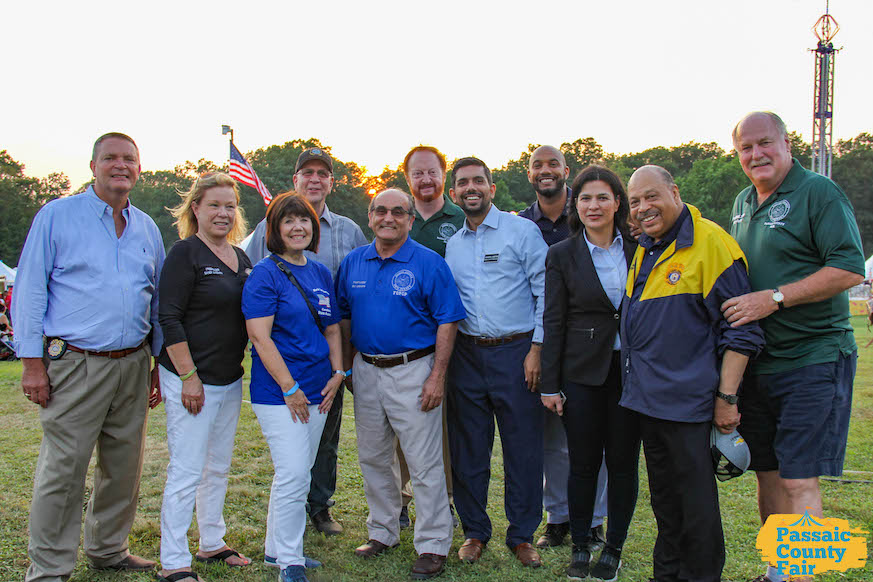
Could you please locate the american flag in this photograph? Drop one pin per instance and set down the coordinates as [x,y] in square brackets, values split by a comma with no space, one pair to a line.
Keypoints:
[242,172]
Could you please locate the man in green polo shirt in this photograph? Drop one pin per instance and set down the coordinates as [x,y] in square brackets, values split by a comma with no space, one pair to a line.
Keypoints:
[436,217]
[799,233]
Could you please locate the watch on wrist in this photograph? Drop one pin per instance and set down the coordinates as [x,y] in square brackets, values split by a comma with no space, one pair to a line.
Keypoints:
[335,372]
[729,398]
[779,298]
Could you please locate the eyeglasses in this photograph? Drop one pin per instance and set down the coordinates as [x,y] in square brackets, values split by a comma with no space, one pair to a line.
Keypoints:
[396,212]
[433,173]
[308,172]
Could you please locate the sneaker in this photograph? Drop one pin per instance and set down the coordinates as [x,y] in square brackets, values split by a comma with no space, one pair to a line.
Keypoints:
[598,541]
[608,565]
[404,518]
[554,535]
[293,574]
[325,523]
[309,565]
[579,564]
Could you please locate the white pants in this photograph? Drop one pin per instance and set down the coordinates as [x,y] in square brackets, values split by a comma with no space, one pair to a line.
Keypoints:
[200,448]
[293,446]
[387,404]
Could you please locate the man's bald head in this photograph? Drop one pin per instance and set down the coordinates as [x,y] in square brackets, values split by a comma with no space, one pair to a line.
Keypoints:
[547,171]
[654,200]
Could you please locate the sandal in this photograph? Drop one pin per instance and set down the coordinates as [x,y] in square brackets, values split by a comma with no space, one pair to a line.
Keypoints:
[222,557]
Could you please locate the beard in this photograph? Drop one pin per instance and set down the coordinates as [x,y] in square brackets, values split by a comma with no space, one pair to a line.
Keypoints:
[553,191]
[437,193]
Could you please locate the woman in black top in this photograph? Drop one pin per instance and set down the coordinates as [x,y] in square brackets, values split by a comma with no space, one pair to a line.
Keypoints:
[586,276]
[201,369]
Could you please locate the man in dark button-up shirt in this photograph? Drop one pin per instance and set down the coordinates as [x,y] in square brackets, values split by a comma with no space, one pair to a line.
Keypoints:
[548,174]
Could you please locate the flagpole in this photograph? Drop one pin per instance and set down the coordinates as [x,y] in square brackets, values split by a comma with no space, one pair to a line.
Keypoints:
[226,129]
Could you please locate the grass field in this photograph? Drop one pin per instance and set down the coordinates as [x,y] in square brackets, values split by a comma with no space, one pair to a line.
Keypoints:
[249,486]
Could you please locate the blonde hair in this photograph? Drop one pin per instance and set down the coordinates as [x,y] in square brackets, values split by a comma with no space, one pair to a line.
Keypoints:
[186,222]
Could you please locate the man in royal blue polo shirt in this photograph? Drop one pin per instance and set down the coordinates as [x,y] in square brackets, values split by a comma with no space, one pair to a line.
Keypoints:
[400,309]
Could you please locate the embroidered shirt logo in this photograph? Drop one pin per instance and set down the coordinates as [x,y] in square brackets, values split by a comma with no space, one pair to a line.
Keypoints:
[402,281]
[212,271]
[446,230]
[738,218]
[777,212]
[674,273]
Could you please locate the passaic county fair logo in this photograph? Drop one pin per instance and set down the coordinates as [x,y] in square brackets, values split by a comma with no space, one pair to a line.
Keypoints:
[802,545]
[402,281]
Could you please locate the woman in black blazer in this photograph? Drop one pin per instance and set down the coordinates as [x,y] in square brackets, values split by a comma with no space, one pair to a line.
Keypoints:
[581,365]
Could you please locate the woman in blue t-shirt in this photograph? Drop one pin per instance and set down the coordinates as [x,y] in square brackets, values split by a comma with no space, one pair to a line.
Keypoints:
[296,367]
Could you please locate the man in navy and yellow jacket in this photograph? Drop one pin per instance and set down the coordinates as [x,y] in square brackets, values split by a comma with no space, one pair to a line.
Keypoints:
[683,364]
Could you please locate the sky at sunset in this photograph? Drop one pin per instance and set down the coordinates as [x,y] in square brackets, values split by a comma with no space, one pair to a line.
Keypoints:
[372,79]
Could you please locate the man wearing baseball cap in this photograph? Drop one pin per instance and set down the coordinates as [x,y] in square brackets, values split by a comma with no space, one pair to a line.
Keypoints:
[313,179]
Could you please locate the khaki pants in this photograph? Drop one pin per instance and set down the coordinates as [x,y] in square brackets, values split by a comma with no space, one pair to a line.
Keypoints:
[406,485]
[94,401]
[387,406]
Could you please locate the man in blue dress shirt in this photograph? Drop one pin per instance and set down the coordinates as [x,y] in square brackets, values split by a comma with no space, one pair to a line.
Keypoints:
[400,308]
[499,262]
[86,309]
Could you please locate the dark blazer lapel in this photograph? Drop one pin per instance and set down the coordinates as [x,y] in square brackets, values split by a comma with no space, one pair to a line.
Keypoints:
[587,271]
[630,247]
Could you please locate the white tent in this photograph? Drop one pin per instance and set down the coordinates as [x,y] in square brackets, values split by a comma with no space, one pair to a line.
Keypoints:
[868,268]
[8,272]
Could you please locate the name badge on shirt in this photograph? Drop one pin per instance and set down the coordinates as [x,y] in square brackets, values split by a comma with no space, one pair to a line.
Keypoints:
[492,258]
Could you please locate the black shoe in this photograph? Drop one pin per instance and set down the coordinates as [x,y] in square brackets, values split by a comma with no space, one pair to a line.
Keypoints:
[607,565]
[554,535]
[404,518]
[579,564]
[597,542]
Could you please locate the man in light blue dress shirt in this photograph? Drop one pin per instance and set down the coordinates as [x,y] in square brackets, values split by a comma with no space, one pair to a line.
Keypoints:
[498,261]
[86,309]
[339,235]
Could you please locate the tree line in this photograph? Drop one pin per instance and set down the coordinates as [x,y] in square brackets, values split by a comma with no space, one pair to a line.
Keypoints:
[707,176]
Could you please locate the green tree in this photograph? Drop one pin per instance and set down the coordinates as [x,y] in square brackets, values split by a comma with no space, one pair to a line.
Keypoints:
[504,200]
[21,197]
[853,171]
[712,185]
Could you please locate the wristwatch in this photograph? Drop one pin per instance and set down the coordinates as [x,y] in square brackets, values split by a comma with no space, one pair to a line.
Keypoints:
[335,372]
[729,398]
[779,298]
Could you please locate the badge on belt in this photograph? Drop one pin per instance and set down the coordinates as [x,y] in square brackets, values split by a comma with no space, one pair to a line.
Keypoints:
[56,348]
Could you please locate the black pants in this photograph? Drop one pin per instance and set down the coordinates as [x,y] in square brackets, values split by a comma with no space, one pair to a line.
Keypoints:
[322,485]
[596,423]
[690,543]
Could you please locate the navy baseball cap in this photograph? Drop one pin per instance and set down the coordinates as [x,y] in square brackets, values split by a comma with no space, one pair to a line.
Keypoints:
[314,154]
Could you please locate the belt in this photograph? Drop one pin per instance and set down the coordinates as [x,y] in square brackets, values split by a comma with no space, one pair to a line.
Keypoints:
[495,341]
[391,361]
[114,354]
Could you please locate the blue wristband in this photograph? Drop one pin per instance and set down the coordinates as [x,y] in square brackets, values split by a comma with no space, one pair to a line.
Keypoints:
[348,372]
[292,390]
